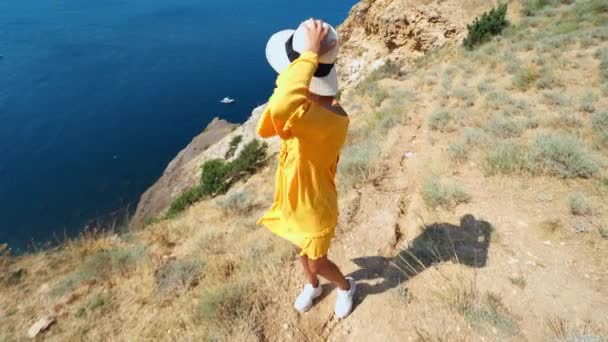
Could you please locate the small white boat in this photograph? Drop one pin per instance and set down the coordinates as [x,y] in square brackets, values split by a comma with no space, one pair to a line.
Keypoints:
[227,100]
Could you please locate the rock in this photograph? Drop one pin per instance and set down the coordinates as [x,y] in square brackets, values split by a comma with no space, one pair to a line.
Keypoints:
[180,175]
[580,227]
[380,30]
[40,326]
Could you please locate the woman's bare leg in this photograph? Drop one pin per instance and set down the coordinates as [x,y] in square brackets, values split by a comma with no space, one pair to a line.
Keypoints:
[311,276]
[329,271]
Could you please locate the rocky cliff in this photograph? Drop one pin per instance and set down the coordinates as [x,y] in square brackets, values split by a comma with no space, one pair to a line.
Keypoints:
[400,30]
[184,171]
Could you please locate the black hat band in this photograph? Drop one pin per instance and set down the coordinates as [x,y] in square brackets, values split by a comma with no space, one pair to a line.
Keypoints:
[322,70]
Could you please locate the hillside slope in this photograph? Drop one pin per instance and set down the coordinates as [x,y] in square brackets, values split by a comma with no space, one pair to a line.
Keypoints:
[473,207]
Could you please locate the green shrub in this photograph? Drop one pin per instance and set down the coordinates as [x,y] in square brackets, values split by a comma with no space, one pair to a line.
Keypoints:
[602,55]
[504,158]
[100,266]
[358,161]
[238,203]
[234,144]
[389,69]
[218,175]
[250,159]
[525,77]
[377,94]
[532,7]
[184,200]
[561,155]
[599,124]
[225,303]
[556,99]
[504,128]
[580,205]
[569,120]
[587,103]
[437,195]
[498,99]
[483,86]
[489,24]
[458,152]
[546,78]
[180,275]
[440,120]
[214,178]
[474,136]
[96,302]
[151,220]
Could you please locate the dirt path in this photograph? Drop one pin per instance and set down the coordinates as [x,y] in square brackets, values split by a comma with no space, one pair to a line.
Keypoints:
[393,303]
[380,218]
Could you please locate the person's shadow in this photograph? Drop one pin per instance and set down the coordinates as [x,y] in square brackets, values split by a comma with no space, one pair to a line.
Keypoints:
[466,244]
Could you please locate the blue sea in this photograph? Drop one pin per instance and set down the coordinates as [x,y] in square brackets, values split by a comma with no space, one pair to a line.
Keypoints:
[97,96]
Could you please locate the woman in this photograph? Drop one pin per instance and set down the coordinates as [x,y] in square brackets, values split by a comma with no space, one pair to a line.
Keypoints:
[312,126]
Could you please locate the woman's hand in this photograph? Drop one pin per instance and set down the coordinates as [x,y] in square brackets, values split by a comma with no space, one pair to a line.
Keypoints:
[315,32]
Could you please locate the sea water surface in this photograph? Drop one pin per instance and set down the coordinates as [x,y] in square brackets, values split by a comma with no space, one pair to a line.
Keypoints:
[97,96]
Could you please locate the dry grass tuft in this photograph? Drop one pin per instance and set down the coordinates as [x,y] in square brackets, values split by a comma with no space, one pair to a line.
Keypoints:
[437,195]
[561,155]
[580,205]
[485,312]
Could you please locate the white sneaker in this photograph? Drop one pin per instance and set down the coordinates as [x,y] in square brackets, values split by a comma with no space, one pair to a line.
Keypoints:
[304,301]
[344,302]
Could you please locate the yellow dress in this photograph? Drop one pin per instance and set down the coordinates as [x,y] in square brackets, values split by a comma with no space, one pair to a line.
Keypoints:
[305,208]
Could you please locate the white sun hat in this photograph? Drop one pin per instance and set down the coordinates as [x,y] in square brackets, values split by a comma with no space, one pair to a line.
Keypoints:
[286,46]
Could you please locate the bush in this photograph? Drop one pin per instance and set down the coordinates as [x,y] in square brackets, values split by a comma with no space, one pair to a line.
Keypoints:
[504,128]
[587,103]
[546,78]
[180,275]
[579,204]
[458,152]
[569,120]
[486,26]
[497,100]
[561,155]
[389,69]
[556,99]
[440,120]
[531,7]
[602,55]
[525,77]
[599,124]
[234,144]
[100,266]
[225,303]
[474,136]
[184,200]
[218,175]
[377,94]
[504,158]
[251,158]
[358,161]
[437,195]
[239,203]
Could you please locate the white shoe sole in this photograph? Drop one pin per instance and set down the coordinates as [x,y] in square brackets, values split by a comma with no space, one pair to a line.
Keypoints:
[353,284]
[311,303]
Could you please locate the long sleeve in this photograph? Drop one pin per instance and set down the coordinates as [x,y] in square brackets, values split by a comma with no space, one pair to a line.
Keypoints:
[290,98]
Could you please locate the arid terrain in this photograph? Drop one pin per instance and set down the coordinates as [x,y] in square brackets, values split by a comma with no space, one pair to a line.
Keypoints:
[473,200]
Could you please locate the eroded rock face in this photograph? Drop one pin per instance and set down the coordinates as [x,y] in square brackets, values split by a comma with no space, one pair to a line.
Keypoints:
[184,171]
[400,30]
